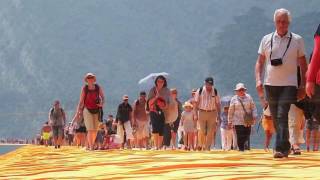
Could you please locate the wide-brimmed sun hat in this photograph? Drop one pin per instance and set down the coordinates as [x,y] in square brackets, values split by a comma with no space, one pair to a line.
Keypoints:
[187,104]
[89,75]
[240,86]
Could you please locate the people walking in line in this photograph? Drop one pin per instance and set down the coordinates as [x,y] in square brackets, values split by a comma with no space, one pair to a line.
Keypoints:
[296,126]
[172,121]
[158,100]
[90,105]
[242,114]
[313,78]
[226,129]
[281,52]
[207,110]
[141,120]
[80,131]
[57,120]
[189,124]
[46,133]
[268,126]
[125,122]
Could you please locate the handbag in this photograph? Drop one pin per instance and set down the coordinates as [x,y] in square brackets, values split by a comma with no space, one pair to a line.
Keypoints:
[248,116]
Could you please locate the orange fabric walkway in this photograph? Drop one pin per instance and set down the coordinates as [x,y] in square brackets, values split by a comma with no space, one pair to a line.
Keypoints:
[37,162]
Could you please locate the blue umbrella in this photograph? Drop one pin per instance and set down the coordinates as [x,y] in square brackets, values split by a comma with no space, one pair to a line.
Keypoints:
[147,82]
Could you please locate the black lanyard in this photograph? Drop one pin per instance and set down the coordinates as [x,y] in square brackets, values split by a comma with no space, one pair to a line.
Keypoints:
[287,45]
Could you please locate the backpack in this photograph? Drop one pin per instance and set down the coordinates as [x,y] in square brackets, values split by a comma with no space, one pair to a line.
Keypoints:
[215,93]
[201,88]
[52,109]
[94,111]
[86,90]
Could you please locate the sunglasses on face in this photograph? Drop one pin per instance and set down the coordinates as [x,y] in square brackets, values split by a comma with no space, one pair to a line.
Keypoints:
[90,77]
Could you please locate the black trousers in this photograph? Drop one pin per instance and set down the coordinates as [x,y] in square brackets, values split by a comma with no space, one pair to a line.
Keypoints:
[280,99]
[167,134]
[243,135]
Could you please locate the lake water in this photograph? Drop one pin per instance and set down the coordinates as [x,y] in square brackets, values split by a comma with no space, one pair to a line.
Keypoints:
[7,148]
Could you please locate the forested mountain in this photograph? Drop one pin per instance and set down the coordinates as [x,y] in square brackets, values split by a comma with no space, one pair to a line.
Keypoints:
[48,46]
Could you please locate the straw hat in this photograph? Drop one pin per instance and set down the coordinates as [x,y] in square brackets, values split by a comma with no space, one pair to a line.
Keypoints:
[187,104]
[89,75]
[240,86]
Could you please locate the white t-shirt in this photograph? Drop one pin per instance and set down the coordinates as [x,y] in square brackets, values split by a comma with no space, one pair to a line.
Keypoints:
[285,74]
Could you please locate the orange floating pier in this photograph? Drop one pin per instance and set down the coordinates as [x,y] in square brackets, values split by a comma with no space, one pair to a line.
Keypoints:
[38,162]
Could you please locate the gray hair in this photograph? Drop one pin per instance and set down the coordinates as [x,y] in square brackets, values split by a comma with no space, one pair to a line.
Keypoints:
[282,11]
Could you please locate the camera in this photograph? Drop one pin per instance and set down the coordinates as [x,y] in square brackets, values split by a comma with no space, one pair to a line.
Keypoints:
[98,101]
[276,62]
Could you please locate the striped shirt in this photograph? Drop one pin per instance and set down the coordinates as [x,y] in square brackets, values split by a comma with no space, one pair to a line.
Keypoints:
[206,100]
[236,112]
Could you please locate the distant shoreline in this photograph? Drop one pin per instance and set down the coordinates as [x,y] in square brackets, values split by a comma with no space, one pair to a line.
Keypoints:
[8,144]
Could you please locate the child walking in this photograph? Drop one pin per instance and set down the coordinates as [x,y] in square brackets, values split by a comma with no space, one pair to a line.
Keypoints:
[188,122]
[226,129]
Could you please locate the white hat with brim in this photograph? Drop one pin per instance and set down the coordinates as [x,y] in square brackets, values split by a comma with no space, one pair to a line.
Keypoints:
[89,75]
[187,104]
[240,86]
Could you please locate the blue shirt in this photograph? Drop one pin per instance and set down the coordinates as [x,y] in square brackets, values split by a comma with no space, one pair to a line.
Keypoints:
[224,120]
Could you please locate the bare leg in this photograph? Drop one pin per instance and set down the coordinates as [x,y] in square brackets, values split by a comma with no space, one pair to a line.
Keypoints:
[268,135]
[60,140]
[160,141]
[91,137]
[156,140]
[174,140]
[190,139]
[308,138]
[185,141]
[315,140]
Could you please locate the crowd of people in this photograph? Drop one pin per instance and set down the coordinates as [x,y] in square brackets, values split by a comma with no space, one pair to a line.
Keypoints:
[289,96]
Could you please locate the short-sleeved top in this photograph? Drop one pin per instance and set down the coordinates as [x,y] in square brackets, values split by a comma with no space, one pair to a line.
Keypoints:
[224,120]
[285,74]
[164,93]
[206,100]
[236,112]
[123,113]
[57,117]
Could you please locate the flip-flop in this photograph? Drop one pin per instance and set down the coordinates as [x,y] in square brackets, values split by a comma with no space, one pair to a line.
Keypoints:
[296,151]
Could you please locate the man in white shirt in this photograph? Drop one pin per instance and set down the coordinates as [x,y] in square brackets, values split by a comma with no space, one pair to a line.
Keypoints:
[208,109]
[281,52]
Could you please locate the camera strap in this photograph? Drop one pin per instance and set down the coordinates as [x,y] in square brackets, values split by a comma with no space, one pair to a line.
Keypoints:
[286,48]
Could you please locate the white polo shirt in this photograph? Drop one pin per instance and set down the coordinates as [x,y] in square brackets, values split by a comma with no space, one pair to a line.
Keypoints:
[285,74]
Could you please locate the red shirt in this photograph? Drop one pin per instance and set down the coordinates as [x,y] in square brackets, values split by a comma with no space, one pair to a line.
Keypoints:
[90,101]
[313,74]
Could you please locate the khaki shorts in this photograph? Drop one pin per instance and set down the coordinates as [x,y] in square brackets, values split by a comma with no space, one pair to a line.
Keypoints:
[142,130]
[91,121]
